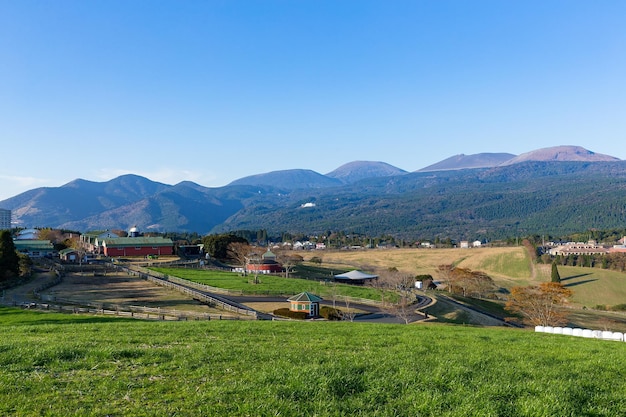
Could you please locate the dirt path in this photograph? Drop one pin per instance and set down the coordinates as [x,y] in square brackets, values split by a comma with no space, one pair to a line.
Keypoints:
[24,293]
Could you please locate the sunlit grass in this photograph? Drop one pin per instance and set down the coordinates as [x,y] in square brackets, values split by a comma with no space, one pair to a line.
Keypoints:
[270,284]
[73,367]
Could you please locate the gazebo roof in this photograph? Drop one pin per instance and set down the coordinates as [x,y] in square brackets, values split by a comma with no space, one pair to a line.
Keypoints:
[356,275]
[305,296]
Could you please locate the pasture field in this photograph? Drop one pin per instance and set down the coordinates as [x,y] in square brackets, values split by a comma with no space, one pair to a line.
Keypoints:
[269,284]
[509,263]
[594,286]
[68,365]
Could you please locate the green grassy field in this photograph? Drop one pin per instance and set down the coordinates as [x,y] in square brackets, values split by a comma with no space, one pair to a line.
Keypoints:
[270,284]
[593,286]
[54,365]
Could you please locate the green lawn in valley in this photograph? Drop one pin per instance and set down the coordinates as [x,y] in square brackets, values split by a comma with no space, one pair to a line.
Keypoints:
[269,284]
[514,265]
[594,286]
[53,365]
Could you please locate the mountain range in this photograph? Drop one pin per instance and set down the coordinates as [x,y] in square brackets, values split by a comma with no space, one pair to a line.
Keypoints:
[491,195]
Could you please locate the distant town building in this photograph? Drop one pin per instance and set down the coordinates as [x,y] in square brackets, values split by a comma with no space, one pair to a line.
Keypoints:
[5,219]
[579,248]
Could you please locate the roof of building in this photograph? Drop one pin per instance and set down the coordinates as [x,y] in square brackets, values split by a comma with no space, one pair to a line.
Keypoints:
[33,244]
[66,251]
[136,241]
[268,255]
[356,275]
[305,296]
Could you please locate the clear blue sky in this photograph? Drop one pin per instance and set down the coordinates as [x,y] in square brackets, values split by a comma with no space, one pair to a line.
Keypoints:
[211,91]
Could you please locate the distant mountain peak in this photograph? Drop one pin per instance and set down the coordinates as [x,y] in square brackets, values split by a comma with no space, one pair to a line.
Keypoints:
[462,161]
[562,154]
[289,179]
[359,170]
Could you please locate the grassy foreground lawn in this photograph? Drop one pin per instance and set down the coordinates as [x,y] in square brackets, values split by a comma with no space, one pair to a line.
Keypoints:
[52,365]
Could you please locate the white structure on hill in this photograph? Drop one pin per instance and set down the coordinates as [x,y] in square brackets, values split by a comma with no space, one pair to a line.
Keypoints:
[5,219]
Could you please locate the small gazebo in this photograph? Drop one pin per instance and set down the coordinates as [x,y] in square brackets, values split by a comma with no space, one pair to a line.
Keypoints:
[307,302]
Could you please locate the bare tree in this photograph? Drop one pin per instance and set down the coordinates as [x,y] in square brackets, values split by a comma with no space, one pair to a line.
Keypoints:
[240,253]
[349,313]
[402,284]
[288,260]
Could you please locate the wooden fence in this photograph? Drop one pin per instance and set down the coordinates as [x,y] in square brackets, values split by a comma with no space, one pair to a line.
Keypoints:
[187,287]
[78,307]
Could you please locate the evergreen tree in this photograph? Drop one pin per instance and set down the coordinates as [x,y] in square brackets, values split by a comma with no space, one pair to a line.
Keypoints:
[555,277]
[9,259]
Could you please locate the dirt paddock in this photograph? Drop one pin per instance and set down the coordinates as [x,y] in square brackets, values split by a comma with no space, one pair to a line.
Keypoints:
[123,290]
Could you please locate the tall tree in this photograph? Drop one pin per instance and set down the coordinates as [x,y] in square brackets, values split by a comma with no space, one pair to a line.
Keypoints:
[554,275]
[9,259]
[217,245]
[540,305]
[239,252]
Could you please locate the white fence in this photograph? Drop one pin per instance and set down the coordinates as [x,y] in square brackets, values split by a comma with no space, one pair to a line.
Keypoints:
[587,333]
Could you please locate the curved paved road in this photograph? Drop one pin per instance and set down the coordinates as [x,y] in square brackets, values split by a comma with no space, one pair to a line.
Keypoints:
[373,313]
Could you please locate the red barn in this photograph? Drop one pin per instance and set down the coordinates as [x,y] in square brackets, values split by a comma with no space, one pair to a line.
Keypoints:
[137,246]
[266,265]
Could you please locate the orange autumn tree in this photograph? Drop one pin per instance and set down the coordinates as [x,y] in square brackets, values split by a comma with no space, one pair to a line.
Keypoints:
[540,305]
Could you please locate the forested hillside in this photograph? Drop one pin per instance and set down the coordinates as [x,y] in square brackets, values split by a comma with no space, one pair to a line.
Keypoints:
[533,197]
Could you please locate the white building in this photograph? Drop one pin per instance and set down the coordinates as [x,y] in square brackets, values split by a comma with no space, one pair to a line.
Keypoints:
[5,219]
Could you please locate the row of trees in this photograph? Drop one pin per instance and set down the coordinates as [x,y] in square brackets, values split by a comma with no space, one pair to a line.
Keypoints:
[465,282]
[535,304]
[12,264]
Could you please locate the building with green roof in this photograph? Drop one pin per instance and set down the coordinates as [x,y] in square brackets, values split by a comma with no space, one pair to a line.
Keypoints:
[34,248]
[307,302]
[137,246]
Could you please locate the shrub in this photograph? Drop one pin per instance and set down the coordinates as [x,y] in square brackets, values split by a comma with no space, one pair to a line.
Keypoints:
[619,307]
[285,312]
[316,260]
[330,313]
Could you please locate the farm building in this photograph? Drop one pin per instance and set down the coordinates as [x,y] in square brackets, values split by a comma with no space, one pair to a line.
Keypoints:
[266,265]
[27,234]
[69,255]
[137,246]
[305,301]
[90,241]
[34,248]
[355,277]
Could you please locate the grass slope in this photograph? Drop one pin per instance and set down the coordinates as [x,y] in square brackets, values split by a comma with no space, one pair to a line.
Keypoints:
[509,262]
[593,286]
[68,366]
